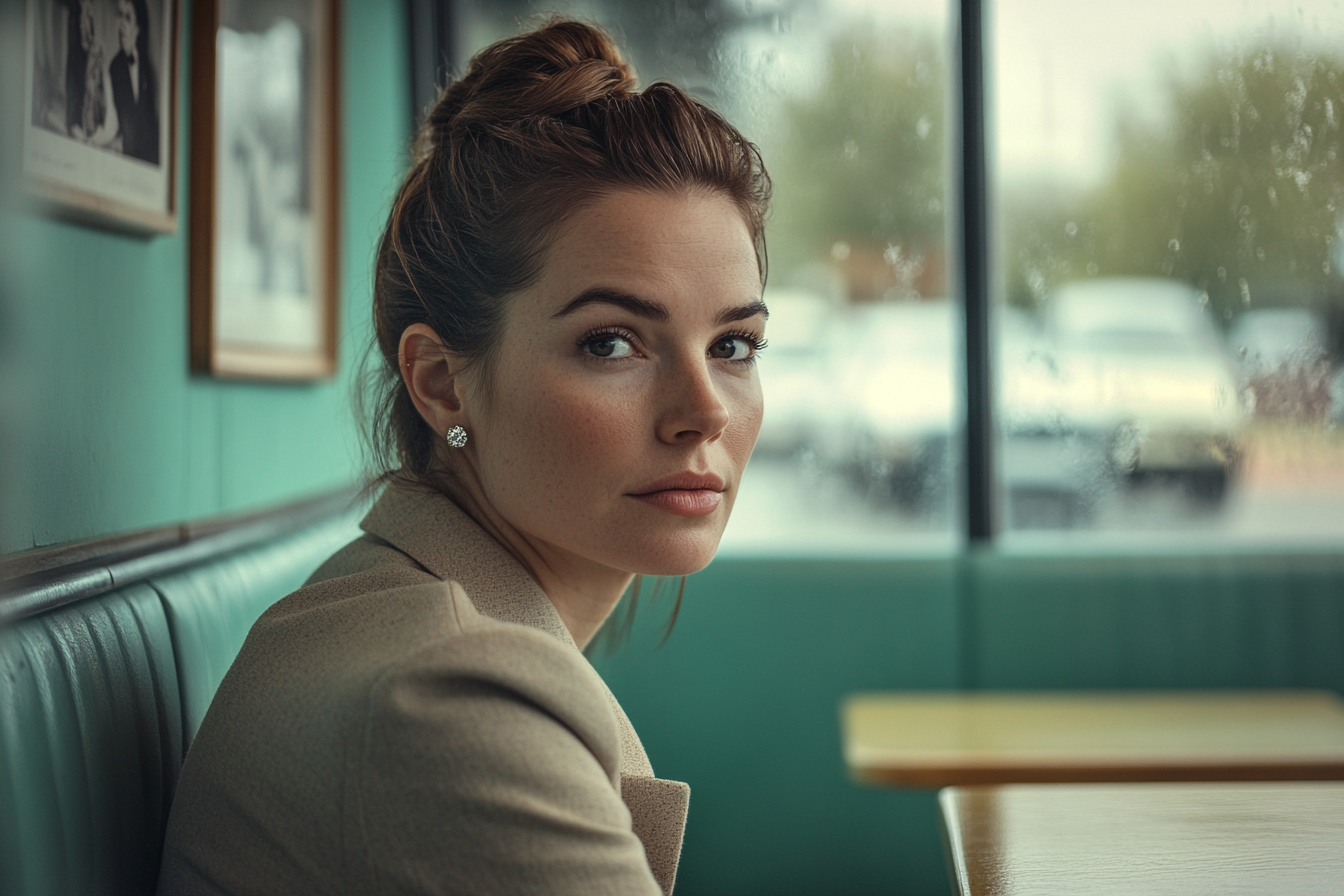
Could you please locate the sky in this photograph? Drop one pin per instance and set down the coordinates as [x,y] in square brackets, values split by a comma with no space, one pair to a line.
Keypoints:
[1062,65]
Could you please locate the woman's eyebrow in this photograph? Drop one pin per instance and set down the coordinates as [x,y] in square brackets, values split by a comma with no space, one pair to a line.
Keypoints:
[653,310]
[633,304]
[743,312]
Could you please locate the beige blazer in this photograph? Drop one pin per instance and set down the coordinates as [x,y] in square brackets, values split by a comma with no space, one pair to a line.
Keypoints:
[417,719]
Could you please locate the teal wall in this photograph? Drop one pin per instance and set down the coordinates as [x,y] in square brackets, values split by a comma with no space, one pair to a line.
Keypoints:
[742,699]
[113,433]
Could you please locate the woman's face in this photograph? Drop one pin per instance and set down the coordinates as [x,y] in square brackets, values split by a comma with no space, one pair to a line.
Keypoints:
[128,29]
[624,400]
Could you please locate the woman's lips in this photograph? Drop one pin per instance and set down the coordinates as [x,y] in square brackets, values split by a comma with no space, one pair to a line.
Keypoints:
[683,501]
[685,494]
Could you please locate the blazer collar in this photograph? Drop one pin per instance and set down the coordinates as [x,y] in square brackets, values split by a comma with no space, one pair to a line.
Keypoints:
[440,536]
[444,539]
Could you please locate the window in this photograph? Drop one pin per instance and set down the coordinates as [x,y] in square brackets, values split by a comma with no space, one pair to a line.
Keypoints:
[1166,228]
[1170,200]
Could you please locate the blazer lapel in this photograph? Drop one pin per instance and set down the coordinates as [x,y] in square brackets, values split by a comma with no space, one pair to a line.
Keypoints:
[441,537]
[658,814]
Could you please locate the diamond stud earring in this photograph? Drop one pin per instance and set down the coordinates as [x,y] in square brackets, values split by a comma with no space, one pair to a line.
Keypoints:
[456,436]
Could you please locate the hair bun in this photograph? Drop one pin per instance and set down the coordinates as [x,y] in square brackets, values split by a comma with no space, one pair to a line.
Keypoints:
[545,73]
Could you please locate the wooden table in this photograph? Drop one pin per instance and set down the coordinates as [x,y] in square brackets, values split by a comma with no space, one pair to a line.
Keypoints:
[939,739]
[1142,839]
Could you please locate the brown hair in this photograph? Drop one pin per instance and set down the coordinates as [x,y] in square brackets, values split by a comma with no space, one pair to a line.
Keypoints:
[542,124]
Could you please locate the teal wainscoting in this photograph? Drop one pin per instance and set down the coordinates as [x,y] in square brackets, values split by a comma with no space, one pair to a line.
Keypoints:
[1200,621]
[741,701]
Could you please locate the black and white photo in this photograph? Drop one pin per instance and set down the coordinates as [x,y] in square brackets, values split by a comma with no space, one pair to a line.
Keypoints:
[263,151]
[98,138]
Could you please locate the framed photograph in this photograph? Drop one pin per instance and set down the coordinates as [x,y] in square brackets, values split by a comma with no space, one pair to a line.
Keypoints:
[264,188]
[100,110]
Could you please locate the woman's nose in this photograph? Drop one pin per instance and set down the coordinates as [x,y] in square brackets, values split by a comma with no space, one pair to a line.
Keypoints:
[693,409]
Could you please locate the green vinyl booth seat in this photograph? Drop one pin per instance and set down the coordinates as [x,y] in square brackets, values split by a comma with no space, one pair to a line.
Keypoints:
[100,699]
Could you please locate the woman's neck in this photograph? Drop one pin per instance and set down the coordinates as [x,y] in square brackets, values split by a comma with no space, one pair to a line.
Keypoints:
[583,592]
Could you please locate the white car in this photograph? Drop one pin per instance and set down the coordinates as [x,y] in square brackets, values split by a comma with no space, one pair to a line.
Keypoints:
[1282,353]
[1056,435]
[899,385]
[794,372]
[1144,354]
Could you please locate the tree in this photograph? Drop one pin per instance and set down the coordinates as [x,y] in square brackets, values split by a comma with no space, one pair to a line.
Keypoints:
[1238,188]
[859,164]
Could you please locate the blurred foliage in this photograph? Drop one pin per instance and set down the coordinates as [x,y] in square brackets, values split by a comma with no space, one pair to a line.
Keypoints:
[674,40]
[860,160]
[1236,186]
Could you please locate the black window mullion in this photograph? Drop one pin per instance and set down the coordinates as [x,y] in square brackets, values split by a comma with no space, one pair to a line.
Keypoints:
[973,265]
[434,54]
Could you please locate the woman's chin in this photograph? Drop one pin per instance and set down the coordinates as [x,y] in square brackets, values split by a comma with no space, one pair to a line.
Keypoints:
[678,555]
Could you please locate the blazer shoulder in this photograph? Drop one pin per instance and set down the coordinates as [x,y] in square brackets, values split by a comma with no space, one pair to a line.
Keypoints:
[355,576]
[493,744]
[366,554]
[503,662]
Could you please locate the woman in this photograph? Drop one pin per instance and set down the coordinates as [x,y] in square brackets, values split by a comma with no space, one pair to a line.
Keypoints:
[135,87]
[93,105]
[567,305]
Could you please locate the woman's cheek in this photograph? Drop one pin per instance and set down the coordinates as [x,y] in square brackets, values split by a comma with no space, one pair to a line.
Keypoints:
[748,410]
[588,421]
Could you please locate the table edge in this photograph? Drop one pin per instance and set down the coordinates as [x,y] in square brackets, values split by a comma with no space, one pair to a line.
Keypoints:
[933,775]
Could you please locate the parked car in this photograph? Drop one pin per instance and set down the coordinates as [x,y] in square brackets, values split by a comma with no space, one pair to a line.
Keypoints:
[1149,357]
[1283,363]
[897,382]
[903,406]
[1056,434]
[794,372]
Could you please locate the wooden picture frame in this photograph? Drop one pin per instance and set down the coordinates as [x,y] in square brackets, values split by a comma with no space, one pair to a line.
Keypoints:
[100,111]
[265,188]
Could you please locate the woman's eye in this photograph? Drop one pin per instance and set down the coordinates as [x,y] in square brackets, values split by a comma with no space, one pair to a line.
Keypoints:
[732,348]
[609,345]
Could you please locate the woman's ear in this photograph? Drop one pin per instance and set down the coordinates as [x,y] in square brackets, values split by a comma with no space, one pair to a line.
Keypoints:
[432,377]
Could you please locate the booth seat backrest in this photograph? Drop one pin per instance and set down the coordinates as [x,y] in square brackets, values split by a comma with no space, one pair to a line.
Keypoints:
[91,740]
[99,700]
[212,607]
